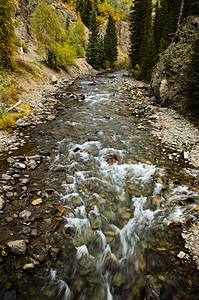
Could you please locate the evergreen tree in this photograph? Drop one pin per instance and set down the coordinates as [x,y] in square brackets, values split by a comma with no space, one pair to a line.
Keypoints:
[192,75]
[94,53]
[110,42]
[169,12]
[137,15]
[141,51]
[85,7]
[191,8]
[7,35]
[157,27]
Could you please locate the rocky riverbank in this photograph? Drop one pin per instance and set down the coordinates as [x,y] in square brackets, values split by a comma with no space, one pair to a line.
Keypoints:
[44,105]
[179,138]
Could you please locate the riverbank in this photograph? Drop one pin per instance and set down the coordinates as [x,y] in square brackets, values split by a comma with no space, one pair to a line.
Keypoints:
[179,139]
[39,95]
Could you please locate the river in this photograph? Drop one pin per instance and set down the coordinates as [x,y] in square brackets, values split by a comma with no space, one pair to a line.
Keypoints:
[120,196]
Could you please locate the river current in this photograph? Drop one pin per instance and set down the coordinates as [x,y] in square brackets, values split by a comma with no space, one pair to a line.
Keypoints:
[120,196]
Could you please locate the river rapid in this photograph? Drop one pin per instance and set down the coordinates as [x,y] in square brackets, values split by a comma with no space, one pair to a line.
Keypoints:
[122,202]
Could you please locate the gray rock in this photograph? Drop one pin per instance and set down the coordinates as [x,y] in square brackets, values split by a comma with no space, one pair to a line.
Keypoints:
[2,202]
[17,247]
[53,79]
[25,215]
[181,254]
[6,177]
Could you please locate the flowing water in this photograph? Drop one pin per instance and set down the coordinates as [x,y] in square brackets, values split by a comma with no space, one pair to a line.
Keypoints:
[120,197]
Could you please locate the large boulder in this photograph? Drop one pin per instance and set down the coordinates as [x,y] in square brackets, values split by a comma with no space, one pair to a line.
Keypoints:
[169,76]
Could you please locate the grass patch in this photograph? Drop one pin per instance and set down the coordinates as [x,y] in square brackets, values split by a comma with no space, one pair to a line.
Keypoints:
[9,95]
[8,120]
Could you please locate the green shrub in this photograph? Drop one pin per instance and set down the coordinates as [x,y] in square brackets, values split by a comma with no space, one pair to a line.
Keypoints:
[7,35]
[56,43]
[137,72]
[168,65]
[9,94]
[46,26]
[61,56]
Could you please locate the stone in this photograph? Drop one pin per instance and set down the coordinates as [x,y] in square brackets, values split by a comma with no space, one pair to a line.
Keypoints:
[32,164]
[181,254]
[37,202]
[28,267]
[9,195]
[186,155]
[20,166]
[25,181]
[2,203]
[53,79]
[6,177]
[17,247]
[25,215]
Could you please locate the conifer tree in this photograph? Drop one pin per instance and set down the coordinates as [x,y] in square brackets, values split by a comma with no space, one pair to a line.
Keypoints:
[141,52]
[85,7]
[192,75]
[110,42]
[137,15]
[94,51]
[191,8]
[7,35]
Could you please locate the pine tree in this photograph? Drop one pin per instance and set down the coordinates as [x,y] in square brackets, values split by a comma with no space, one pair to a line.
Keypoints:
[141,52]
[85,7]
[7,35]
[192,75]
[137,15]
[170,11]
[157,27]
[191,8]
[94,53]
[110,42]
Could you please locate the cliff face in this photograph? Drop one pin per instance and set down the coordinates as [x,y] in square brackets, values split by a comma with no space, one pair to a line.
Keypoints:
[25,9]
[169,78]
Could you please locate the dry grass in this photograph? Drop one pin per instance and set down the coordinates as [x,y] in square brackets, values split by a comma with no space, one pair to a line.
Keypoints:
[9,94]
[8,120]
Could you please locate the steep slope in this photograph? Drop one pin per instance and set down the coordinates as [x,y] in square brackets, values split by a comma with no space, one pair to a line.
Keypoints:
[169,77]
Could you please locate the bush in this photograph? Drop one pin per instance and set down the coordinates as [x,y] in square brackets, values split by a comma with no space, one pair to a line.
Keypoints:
[7,35]
[192,76]
[137,72]
[61,56]
[54,40]
[9,94]
[46,26]
[8,120]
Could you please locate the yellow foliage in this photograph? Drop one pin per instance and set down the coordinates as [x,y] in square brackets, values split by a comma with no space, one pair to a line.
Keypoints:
[8,119]
[9,94]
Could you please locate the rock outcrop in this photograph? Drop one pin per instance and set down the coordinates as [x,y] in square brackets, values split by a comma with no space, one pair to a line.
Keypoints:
[169,77]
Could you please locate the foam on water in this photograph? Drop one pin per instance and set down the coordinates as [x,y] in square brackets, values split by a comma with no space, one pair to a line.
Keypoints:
[82,251]
[132,232]
[81,225]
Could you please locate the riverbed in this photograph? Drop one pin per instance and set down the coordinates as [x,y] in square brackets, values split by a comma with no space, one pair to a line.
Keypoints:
[112,204]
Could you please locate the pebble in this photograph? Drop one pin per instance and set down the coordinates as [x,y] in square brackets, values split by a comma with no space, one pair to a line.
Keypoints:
[29,266]
[6,177]
[17,247]
[2,203]
[25,215]
[181,254]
